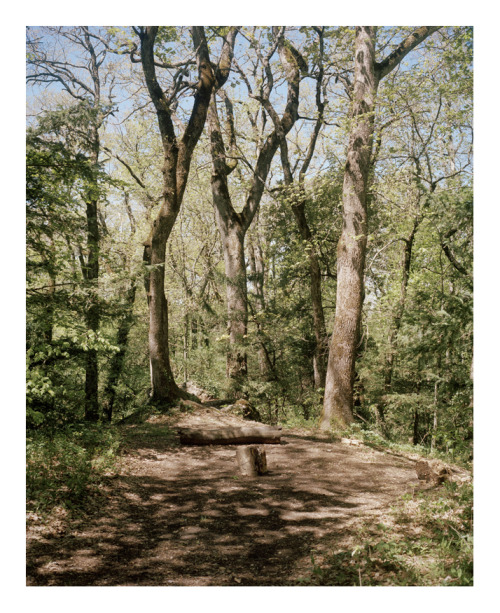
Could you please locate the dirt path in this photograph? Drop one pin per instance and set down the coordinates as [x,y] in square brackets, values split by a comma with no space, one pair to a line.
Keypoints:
[184,516]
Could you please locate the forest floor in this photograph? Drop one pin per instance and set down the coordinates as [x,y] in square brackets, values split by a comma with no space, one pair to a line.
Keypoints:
[184,516]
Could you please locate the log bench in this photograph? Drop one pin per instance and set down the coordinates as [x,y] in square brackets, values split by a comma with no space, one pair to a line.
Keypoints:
[232,435]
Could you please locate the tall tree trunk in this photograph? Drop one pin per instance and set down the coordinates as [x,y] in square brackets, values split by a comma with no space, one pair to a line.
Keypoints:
[257,268]
[321,338]
[237,310]
[118,360]
[163,386]
[416,420]
[351,250]
[177,156]
[400,307]
[92,267]
[435,417]
[92,315]
[232,232]
[194,332]
[298,196]
[338,401]
[86,90]
[233,226]
[185,347]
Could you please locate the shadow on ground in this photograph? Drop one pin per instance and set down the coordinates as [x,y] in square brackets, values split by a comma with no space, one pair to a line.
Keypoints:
[184,516]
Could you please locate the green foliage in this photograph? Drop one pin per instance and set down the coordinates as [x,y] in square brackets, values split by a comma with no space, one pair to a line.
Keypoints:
[433,346]
[66,466]
[61,178]
[423,119]
[286,321]
[428,542]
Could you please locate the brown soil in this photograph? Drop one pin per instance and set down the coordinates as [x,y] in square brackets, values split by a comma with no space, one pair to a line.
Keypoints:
[185,516]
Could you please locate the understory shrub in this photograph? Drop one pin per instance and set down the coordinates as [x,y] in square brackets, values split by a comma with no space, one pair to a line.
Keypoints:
[63,468]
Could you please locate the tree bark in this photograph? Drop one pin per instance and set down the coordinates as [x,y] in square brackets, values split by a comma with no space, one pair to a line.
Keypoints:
[237,306]
[232,225]
[177,159]
[232,234]
[92,316]
[400,307]
[351,250]
[435,415]
[257,268]
[320,335]
[416,423]
[338,400]
[235,435]
[252,461]
[118,360]
[298,196]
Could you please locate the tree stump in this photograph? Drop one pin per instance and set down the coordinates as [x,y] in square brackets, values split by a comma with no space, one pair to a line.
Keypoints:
[433,471]
[251,460]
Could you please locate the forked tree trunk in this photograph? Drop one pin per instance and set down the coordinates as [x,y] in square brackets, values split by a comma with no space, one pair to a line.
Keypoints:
[177,156]
[233,226]
[298,197]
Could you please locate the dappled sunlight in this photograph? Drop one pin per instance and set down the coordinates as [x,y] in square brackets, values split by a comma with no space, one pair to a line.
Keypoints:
[187,517]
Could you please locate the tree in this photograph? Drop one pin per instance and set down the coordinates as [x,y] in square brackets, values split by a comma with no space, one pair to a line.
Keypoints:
[185,166]
[424,163]
[59,175]
[81,79]
[368,73]
[233,226]
[177,156]
[297,196]
[125,320]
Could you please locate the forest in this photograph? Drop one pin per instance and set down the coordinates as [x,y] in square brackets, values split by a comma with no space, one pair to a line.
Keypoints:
[267,227]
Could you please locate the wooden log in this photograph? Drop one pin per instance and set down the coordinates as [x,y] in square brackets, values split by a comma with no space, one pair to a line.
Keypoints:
[251,460]
[218,403]
[351,441]
[433,470]
[234,435]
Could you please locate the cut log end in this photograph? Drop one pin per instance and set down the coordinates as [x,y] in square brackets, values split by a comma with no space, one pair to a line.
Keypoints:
[252,460]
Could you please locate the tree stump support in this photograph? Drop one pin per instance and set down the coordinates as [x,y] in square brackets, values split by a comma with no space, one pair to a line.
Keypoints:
[251,460]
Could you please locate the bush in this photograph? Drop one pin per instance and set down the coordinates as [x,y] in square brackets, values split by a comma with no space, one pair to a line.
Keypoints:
[63,468]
